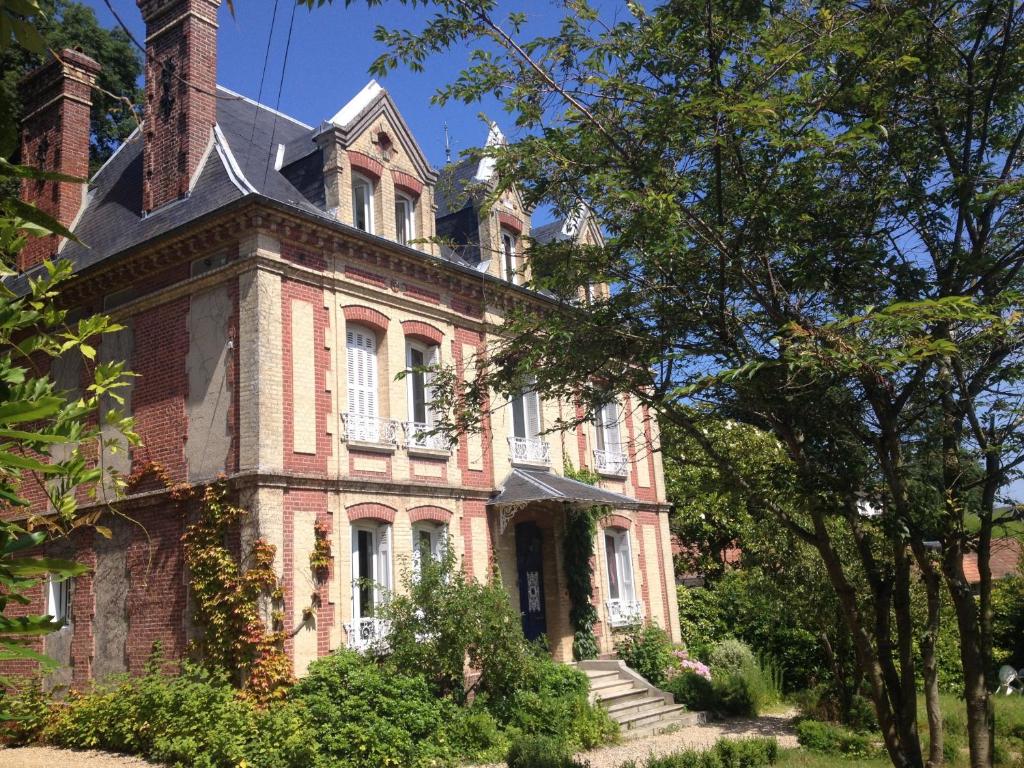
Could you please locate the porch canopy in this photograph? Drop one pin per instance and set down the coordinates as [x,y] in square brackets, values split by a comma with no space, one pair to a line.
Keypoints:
[525,486]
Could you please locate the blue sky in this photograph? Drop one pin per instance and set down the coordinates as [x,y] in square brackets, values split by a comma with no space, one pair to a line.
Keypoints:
[329,58]
[328,63]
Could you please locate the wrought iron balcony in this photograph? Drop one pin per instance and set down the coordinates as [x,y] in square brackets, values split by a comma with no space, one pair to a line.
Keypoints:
[614,463]
[622,613]
[368,633]
[529,450]
[418,435]
[360,428]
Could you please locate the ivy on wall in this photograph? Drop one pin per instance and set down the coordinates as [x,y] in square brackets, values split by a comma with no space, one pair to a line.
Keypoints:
[578,558]
[227,590]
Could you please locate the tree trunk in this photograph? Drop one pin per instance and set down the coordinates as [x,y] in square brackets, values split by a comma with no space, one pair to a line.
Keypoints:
[929,665]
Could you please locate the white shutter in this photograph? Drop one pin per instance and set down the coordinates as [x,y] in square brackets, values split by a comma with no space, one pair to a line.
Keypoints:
[356,608]
[610,424]
[625,558]
[382,572]
[362,371]
[531,404]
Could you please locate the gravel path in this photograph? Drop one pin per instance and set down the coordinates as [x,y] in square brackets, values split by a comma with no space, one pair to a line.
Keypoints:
[694,737]
[51,757]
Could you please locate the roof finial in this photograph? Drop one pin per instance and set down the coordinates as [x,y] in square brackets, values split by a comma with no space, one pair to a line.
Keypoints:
[447,145]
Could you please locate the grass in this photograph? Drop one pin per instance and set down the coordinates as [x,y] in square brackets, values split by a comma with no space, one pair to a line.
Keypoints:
[802,758]
[1009,529]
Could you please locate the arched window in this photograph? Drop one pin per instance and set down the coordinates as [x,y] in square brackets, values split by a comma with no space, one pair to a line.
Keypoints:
[362,203]
[361,347]
[421,411]
[428,543]
[371,581]
[405,207]
[621,603]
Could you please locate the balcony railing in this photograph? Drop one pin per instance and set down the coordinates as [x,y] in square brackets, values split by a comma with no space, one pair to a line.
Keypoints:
[614,463]
[529,450]
[364,634]
[623,613]
[360,428]
[418,435]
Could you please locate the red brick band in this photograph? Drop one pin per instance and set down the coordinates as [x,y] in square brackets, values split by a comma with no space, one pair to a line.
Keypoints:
[365,163]
[511,222]
[435,514]
[616,521]
[422,331]
[370,511]
[378,321]
[407,183]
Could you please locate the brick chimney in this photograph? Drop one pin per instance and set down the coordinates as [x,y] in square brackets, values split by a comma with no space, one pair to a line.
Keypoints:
[57,98]
[181,102]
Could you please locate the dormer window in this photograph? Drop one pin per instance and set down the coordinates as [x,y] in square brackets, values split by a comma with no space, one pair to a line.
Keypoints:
[404,209]
[362,203]
[508,253]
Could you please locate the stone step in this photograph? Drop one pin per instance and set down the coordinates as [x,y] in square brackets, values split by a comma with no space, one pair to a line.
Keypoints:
[669,723]
[617,698]
[635,706]
[613,687]
[643,719]
[600,674]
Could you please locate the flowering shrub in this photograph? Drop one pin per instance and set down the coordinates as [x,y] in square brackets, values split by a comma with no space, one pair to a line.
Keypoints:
[683,663]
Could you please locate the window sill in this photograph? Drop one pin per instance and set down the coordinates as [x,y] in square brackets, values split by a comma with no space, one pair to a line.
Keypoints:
[359,445]
[420,452]
[613,474]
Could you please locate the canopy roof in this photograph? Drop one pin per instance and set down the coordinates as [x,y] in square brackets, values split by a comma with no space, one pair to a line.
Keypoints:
[525,485]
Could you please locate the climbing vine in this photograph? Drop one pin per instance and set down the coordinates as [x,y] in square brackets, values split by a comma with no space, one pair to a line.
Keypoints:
[320,557]
[578,556]
[227,591]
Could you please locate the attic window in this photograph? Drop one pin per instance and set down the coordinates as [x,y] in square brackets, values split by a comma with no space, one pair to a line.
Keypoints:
[384,142]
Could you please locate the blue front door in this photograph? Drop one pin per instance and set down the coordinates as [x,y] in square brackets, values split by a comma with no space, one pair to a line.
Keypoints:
[531,580]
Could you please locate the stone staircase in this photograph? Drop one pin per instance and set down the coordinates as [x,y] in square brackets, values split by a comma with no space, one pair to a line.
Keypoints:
[638,707]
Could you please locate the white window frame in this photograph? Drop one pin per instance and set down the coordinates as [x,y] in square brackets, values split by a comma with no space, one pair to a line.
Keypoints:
[623,609]
[409,218]
[358,180]
[607,423]
[380,570]
[526,398]
[431,356]
[438,533]
[508,257]
[58,599]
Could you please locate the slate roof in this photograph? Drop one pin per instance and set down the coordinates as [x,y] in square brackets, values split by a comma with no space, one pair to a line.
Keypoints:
[522,486]
[456,185]
[550,232]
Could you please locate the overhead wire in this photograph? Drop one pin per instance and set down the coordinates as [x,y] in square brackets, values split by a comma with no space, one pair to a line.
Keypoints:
[280,90]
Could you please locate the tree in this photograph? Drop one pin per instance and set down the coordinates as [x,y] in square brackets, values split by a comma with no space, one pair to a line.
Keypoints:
[813,215]
[117,99]
[49,438]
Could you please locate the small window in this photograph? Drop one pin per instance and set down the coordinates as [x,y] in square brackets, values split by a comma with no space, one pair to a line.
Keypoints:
[58,600]
[620,565]
[428,542]
[508,249]
[371,568]
[404,208]
[362,203]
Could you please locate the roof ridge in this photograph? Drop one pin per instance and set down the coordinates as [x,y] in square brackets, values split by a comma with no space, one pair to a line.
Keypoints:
[255,103]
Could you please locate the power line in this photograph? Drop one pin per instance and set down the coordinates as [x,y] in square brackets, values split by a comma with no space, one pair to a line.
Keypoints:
[280,89]
[263,74]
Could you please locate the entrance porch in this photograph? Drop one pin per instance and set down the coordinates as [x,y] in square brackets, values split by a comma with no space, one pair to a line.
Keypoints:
[529,519]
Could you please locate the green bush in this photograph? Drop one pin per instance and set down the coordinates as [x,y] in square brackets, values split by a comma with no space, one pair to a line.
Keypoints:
[740,753]
[554,701]
[730,655]
[27,706]
[367,714]
[475,735]
[647,650]
[831,739]
[193,719]
[541,752]
[692,690]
